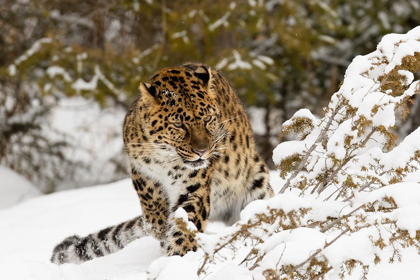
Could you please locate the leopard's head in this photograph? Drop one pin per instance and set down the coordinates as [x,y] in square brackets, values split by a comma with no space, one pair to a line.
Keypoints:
[183,115]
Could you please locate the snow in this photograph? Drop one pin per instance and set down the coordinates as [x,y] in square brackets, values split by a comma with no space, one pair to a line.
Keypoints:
[292,240]
[407,198]
[95,134]
[182,214]
[181,34]
[327,39]
[239,63]
[14,188]
[81,84]
[34,49]
[113,30]
[260,61]
[12,70]
[288,149]
[266,59]
[256,116]
[30,230]
[302,114]
[355,247]
[53,71]
[259,64]
[326,8]
[362,89]
[408,76]
[170,267]
[347,148]
[221,21]
[232,272]
[384,20]
[222,63]
[335,143]
[396,158]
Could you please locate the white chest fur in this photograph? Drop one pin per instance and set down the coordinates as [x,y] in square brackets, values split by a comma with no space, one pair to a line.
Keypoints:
[227,199]
[161,173]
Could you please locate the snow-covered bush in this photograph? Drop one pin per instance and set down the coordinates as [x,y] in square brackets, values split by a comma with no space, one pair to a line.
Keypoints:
[346,203]
[24,145]
[61,118]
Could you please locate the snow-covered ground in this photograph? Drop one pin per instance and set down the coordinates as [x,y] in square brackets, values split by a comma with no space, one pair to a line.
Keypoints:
[30,230]
[14,188]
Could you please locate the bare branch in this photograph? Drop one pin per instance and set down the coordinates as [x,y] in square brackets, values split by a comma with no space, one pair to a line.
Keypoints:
[321,136]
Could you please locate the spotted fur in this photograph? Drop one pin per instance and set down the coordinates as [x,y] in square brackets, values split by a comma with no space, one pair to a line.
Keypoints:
[190,146]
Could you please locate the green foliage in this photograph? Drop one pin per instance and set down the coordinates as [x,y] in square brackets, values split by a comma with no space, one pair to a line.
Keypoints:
[129,40]
[293,53]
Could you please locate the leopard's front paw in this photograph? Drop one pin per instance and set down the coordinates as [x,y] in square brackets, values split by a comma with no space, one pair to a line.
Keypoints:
[180,245]
[180,240]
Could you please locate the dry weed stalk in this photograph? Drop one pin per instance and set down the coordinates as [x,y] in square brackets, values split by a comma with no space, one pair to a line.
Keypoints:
[347,154]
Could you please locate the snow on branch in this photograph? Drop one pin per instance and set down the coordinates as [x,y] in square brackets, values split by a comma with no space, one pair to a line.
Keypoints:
[346,203]
[34,49]
[61,70]
[237,62]
[350,146]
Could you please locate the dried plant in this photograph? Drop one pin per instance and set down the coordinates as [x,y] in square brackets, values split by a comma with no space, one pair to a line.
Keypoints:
[344,181]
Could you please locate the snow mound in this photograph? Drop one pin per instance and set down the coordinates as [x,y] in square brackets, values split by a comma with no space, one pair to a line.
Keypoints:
[14,188]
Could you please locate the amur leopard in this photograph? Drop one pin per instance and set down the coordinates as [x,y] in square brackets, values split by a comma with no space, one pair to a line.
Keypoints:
[190,146]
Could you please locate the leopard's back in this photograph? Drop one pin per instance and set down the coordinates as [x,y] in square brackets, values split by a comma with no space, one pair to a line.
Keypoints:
[240,175]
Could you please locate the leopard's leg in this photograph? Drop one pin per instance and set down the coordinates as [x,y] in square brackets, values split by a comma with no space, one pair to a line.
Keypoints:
[195,200]
[258,183]
[76,249]
[153,203]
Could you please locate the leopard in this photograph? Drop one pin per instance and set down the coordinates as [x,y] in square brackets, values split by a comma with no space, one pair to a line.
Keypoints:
[193,160]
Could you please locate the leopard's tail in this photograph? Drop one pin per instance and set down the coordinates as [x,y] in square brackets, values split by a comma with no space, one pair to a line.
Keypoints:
[75,249]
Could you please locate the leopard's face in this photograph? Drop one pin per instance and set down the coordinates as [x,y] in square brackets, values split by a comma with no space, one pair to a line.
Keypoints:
[184,116]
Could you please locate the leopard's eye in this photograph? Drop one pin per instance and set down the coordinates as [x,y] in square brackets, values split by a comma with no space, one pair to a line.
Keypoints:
[178,124]
[207,119]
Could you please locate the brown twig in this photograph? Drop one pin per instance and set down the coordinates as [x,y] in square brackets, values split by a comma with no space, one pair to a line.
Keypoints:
[329,226]
[321,136]
[296,267]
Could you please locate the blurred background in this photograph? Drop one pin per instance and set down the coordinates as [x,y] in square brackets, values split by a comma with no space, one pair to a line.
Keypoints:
[69,70]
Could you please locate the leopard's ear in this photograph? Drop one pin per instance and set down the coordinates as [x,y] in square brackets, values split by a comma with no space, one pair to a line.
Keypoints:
[148,94]
[203,73]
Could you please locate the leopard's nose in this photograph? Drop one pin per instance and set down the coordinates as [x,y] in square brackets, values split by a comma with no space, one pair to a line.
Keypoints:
[200,152]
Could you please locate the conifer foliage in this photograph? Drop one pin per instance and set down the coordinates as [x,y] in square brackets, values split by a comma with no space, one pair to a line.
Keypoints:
[280,56]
